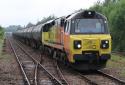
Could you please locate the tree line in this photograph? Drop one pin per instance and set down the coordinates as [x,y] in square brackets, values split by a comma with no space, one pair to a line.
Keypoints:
[114,10]
[1,32]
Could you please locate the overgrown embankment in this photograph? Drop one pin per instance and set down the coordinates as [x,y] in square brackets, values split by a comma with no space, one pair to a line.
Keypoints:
[114,10]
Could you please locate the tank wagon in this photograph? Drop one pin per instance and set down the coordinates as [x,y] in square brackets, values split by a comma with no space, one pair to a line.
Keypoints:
[81,39]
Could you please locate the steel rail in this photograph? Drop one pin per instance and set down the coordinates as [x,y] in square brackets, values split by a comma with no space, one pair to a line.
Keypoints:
[112,77]
[55,80]
[84,77]
[35,78]
[87,79]
[64,81]
[20,64]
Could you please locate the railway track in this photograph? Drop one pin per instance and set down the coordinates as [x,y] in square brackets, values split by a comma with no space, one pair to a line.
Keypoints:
[101,78]
[52,77]
[75,77]
[96,77]
[23,70]
[60,74]
[91,79]
[36,75]
[121,82]
[65,78]
[51,65]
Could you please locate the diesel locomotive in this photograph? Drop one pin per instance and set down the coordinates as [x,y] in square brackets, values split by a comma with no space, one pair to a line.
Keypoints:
[81,40]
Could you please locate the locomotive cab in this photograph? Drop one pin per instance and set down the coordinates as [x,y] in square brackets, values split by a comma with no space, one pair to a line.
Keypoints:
[87,39]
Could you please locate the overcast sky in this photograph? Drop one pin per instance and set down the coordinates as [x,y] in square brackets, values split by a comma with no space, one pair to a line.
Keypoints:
[20,12]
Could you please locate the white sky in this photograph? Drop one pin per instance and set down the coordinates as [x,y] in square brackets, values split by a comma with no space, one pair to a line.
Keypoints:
[21,12]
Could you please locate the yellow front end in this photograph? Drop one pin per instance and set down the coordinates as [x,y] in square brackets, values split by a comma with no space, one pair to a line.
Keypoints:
[90,45]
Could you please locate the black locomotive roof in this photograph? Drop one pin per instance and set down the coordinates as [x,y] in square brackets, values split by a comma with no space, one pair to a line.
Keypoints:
[85,14]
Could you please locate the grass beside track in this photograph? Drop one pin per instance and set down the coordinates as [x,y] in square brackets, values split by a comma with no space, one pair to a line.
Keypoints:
[117,62]
[9,71]
[5,57]
[1,44]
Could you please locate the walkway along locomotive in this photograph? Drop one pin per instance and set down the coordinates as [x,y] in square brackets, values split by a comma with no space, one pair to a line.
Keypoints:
[81,39]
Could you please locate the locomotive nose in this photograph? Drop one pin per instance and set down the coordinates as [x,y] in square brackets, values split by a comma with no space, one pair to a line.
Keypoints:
[90,44]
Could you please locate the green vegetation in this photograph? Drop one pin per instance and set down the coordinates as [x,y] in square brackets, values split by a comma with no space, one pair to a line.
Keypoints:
[117,62]
[114,10]
[122,73]
[1,33]
[45,19]
[1,39]
[13,28]
[1,44]
[4,56]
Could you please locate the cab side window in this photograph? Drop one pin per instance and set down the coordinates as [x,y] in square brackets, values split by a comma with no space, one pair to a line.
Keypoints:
[67,27]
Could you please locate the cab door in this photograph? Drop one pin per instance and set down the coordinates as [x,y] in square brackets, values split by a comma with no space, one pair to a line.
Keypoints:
[67,36]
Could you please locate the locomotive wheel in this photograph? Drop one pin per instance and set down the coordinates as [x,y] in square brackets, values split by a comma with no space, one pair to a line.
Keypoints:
[54,54]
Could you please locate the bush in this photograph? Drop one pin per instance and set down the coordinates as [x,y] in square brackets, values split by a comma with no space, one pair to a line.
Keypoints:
[1,32]
[114,10]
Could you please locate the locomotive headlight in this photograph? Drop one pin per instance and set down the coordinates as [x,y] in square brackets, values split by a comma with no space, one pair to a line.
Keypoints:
[104,44]
[77,44]
[89,13]
[106,41]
